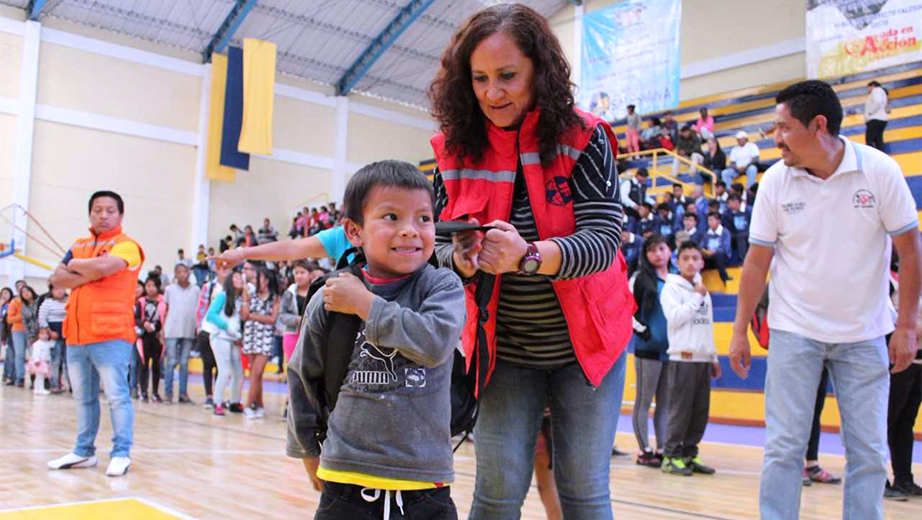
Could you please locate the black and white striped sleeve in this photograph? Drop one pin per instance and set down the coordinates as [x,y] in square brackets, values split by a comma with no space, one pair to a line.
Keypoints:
[443,245]
[597,209]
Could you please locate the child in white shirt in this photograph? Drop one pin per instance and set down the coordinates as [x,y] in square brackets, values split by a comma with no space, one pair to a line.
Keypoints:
[39,362]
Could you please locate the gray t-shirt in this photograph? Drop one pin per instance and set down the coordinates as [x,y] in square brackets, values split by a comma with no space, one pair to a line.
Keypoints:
[182,305]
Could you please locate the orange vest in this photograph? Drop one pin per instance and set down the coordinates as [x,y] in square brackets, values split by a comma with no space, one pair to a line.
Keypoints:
[102,310]
[599,307]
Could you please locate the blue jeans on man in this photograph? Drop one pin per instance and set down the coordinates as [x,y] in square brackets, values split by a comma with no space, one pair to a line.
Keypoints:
[859,374]
[89,365]
[177,351]
[584,421]
[729,174]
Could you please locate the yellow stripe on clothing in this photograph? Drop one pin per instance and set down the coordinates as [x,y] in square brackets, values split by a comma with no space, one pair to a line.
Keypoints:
[258,96]
[213,168]
[371,481]
[127,251]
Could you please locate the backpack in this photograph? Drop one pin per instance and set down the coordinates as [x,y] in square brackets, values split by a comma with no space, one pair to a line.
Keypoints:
[339,342]
[759,322]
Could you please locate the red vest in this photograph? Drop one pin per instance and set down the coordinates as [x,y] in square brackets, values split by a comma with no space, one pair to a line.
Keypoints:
[599,307]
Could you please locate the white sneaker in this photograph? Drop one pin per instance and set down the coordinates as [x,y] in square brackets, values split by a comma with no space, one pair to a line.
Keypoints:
[118,466]
[72,461]
[41,391]
[249,413]
[260,412]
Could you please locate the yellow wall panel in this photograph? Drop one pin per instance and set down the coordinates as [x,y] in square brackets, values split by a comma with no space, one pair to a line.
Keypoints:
[372,139]
[304,127]
[79,80]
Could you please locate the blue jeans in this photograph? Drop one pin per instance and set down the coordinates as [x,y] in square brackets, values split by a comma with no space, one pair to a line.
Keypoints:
[134,368]
[584,420]
[177,351]
[88,365]
[9,365]
[730,173]
[19,353]
[57,361]
[859,373]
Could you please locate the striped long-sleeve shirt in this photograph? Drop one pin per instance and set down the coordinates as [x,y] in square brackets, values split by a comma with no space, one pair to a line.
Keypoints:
[52,313]
[531,329]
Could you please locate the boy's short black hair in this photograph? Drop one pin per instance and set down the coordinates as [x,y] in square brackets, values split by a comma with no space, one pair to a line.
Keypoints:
[647,205]
[721,184]
[399,174]
[713,204]
[632,107]
[642,172]
[735,196]
[874,83]
[689,244]
[811,98]
[106,193]
[674,186]
[662,207]
[714,214]
[691,215]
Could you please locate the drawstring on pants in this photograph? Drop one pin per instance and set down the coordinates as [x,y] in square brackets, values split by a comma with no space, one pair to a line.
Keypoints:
[387,500]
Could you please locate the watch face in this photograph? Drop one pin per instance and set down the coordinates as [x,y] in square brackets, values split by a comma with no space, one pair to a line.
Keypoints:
[531,265]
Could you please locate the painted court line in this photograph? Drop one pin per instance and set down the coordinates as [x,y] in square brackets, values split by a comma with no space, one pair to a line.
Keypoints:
[164,509]
[65,504]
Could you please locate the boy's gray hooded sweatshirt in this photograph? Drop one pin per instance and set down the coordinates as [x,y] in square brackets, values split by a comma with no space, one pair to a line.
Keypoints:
[393,414]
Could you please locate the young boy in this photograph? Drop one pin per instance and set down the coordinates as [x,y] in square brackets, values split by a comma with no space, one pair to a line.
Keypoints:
[690,226]
[736,221]
[388,439]
[692,362]
[715,245]
[664,221]
[721,195]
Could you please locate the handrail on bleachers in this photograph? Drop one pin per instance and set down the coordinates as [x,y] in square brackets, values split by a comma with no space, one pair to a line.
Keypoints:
[661,153]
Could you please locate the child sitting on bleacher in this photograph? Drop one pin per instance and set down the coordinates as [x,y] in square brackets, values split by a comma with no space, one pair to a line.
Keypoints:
[721,195]
[715,245]
[664,223]
[736,220]
[692,362]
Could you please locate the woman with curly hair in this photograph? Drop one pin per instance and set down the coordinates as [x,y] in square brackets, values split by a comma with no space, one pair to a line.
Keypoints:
[546,287]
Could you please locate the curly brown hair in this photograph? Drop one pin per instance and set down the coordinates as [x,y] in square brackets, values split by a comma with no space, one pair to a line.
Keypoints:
[454,104]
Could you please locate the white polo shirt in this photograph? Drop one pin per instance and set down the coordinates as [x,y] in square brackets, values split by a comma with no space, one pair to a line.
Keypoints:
[829,276]
[744,155]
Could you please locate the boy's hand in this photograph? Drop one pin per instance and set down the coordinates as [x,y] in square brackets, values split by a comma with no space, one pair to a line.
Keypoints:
[348,295]
[701,289]
[312,464]
[715,370]
[467,246]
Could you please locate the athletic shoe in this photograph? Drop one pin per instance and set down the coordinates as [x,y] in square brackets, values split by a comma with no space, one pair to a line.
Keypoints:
[21,383]
[615,452]
[184,399]
[72,461]
[144,398]
[41,391]
[806,479]
[249,413]
[209,403]
[118,466]
[648,459]
[156,399]
[895,494]
[676,466]
[818,474]
[260,412]
[236,408]
[219,411]
[910,488]
[699,467]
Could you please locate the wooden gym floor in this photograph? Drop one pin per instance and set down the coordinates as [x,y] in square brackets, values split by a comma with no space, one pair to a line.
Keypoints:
[188,464]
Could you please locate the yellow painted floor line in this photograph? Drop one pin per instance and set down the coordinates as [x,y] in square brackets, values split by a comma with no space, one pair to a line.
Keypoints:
[129,508]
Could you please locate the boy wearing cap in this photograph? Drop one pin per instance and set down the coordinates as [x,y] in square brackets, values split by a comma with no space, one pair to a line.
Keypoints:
[743,160]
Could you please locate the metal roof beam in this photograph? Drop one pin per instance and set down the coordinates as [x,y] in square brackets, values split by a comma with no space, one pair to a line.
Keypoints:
[235,17]
[379,45]
[34,8]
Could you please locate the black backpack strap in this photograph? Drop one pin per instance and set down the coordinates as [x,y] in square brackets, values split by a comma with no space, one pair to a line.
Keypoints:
[483,295]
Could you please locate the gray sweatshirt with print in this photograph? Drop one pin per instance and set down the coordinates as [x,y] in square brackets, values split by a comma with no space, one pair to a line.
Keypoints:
[393,413]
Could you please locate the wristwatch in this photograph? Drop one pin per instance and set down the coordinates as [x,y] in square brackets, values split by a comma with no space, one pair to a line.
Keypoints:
[531,262]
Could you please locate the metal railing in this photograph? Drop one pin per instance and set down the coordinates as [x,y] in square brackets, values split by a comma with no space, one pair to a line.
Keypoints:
[660,171]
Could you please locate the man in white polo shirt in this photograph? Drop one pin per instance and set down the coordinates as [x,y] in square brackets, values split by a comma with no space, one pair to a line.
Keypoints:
[826,215]
[743,158]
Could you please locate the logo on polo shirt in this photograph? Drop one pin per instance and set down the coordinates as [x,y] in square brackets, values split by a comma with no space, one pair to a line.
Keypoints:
[793,208]
[864,199]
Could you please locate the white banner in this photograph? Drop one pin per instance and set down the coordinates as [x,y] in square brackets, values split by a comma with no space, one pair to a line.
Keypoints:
[850,36]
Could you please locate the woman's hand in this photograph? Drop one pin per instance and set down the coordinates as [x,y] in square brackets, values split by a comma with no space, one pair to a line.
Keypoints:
[467,247]
[229,259]
[503,249]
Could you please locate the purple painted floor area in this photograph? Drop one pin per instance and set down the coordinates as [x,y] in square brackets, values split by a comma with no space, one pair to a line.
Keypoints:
[830,443]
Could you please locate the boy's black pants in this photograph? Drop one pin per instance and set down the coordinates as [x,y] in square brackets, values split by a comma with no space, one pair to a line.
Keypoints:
[348,502]
[905,396]
[689,405]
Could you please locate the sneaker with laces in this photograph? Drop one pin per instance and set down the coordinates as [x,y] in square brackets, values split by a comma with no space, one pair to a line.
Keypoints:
[260,412]
[697,466]
[648,459]
[676,466]
[896,494]
[249,413]
[184,399]
[910,488]
[72,461]
[219,410]
[235,408]
[209,403]
[118,466]
[818,474]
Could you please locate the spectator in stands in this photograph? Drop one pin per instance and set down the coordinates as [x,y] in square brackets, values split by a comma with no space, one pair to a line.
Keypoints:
[830,208]
[249,237]
[690,226]
[260,311]
[647,220]
[736,221]
[671,125]
[631,245]
[655,136]
[633,130]
[267,233]
[51,316]
[705,124]
[664,222]
[701,202]
[226,243]
[743,159]
[238,234]
[295,231]
[679,198]
[149,314]
[688,145]
[650,346]
[634,192]
[721,196]
[876,109]
[529,373]
[181,299]
[715,159]
[715,246]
